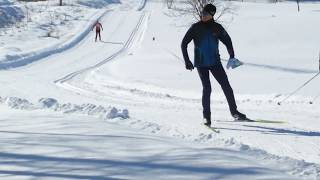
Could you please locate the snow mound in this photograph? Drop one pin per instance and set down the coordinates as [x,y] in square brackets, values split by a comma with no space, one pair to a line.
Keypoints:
[4,2]
[9,14]
[48,102]
[299,168]
[53,104]
[18,103]
[116,113]
[294,167]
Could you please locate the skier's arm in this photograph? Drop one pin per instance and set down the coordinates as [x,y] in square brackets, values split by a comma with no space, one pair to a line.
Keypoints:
[101,27]
[184,45]
[226,40]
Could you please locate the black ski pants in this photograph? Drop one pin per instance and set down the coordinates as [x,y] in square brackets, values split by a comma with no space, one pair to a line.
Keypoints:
[220,75]
[98,34]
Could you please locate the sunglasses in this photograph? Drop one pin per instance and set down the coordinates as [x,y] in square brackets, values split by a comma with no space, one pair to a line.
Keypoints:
[205,13]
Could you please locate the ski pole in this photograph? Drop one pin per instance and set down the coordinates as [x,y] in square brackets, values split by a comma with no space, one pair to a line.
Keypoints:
[279,103]
[303,85]
[173,54]
[317,96]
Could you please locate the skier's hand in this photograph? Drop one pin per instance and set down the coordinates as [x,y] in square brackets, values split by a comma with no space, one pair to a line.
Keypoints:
[189,65]
[234,63]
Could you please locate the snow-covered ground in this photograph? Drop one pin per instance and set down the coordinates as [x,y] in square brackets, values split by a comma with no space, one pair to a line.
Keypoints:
[47,145]
[128,108]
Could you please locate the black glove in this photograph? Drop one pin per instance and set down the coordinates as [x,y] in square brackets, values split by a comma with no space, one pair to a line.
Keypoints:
[189,65]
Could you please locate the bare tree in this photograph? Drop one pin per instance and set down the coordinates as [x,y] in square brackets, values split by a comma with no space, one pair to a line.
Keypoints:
[169,3]
[195,7]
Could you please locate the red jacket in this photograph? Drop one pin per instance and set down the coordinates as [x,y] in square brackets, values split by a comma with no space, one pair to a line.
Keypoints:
[98,26]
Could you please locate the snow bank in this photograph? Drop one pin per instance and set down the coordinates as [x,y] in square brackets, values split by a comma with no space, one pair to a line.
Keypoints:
[294,167]
[142,4]
[4,2]
[53,104]
[299,168]
[18,103]
[9,14]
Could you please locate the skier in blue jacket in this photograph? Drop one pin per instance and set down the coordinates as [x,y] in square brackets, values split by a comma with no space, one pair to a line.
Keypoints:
[206,35]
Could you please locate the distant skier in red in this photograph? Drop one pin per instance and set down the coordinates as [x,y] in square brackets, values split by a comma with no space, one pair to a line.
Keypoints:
[98,27]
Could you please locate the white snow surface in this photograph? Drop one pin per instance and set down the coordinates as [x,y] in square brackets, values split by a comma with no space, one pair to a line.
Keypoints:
[125,107]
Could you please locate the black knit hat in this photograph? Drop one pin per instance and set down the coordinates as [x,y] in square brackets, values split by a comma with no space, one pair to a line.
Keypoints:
[210,9]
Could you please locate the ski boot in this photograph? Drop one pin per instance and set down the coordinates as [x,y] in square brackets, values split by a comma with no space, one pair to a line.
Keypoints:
[208,122]
[240,117]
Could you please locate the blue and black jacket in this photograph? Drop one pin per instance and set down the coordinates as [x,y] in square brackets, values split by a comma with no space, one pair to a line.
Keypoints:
[206,36]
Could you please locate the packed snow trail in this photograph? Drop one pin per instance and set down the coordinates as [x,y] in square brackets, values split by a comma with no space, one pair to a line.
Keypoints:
[122,50]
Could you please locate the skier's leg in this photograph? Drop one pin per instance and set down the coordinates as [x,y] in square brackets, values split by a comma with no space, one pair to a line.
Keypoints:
[99,36]
[220,75]
[96,36]
[205,80]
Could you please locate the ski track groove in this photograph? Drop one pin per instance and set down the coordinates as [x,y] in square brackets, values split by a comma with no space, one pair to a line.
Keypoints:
[123,49]
[113,56]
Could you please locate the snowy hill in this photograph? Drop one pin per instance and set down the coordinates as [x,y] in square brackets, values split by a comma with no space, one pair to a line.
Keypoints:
[125,107]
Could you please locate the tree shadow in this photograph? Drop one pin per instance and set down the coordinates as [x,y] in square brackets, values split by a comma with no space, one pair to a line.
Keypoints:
[125,167]
[52,175]
[274,130]
[279,68]
[65,151]
[281,131]
[120,156]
